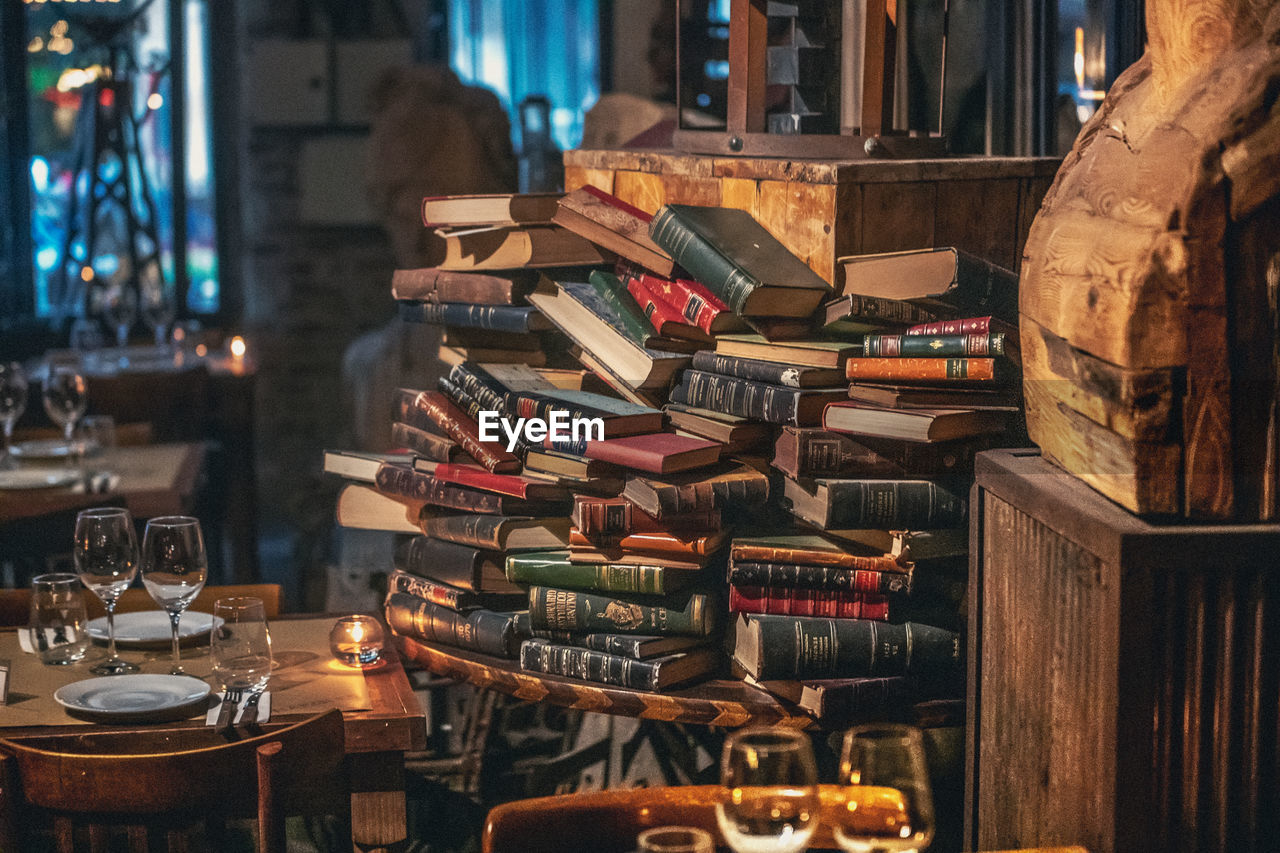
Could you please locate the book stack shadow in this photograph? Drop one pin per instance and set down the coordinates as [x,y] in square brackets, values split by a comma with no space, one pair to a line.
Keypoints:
[667,451]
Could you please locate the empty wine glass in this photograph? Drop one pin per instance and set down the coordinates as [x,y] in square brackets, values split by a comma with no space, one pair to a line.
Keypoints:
[66,396]
[120,307]
[770,799]
[888,806]
[174,569]
[158,309]
[13,402]
[241,644]
[106,558]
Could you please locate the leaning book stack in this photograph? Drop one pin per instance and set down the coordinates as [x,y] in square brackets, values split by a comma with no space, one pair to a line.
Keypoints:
[774,488]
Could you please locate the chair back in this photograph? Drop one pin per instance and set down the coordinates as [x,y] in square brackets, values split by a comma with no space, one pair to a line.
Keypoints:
[15,604]
[105,781]
[609,821]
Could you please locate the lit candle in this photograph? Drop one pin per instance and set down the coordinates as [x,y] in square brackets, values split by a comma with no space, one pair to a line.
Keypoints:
[356,641]
[238,348]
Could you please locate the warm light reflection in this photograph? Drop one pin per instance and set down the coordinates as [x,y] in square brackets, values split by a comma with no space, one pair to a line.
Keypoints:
[202,350]
[238,347]
[155,101]
[1078,59]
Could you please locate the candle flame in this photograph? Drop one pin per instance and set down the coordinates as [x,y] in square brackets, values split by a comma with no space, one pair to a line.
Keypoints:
[238,347]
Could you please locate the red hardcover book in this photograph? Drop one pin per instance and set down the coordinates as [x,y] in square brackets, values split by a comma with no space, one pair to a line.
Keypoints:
[922,369]
[664,318]
[478,477]
[664,542]
[458,425]
[597,516]
[691,300]
[657,453]
[966,326]
[798,601]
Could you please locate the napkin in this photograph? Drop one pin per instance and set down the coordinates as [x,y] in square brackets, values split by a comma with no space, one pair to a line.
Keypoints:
[264,709]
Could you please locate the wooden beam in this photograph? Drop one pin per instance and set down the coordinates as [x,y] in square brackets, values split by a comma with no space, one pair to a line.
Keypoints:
[748,38]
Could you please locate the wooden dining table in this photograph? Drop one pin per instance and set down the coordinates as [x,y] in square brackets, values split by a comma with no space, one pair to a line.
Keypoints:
[381,715]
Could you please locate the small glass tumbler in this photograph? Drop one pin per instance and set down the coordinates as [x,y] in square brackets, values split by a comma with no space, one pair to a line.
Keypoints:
[357,641]
[58,620]
[676,839]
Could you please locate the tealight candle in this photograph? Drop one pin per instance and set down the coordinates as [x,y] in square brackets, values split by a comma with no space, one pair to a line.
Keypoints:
[357,641]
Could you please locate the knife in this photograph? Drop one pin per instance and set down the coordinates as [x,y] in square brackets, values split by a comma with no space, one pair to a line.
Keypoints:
[250,715]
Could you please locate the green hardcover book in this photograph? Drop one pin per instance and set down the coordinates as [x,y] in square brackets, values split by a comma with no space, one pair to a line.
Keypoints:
[637,328]
[690,614]
[552,568]
[738,260]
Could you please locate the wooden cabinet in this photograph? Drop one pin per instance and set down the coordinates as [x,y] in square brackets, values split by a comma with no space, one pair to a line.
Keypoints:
[1124,692]
[825,209]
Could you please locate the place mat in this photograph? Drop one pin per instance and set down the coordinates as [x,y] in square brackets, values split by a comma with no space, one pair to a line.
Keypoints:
[305,680]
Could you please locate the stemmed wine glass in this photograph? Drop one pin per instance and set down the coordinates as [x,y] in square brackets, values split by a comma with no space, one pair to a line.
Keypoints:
[770,799]
[240,646]
[174,569]
[158,309]
[121,309]
[889,808]
[13,401]
[66,396]
[106,559]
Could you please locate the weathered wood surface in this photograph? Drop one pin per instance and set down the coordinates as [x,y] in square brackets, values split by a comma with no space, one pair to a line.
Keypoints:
[1132,261]
[1121,691]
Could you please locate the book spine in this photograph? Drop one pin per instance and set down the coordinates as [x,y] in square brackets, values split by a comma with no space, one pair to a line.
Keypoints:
[659,314]
[636,327]
[481,631]
[603,577]
[428,445]
[965,326]
[456,565]
[896,504]
[430,284]
[741,397]
[805,452]
[747,368]
[899,346]
[703,261]
[937,369]
[805,601]
[419,485]
[745,574]
[436,593]
[595,516]
[493,318]
[589,665]
[477,384]
[614,644]
[657,542]
[458,425]
[571,610]
[748,553]
[801,647]
[876,309]
[478,531]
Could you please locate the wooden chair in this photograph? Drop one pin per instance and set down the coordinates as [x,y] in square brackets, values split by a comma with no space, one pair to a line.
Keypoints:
[609,821]
[109,784]
[15,604]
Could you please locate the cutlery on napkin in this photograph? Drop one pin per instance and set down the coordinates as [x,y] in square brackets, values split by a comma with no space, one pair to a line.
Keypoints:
[247,708]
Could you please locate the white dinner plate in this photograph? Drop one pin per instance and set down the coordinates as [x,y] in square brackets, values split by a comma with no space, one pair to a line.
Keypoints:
[51,448]
[37,478]
[134,698]
[150,628]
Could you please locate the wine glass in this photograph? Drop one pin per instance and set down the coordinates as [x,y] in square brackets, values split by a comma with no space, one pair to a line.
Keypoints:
[770,799]
[66,396]
[174,569]
[121,310]
[106,559]
[241,644]
[13,401]
[888,808]
[158,309]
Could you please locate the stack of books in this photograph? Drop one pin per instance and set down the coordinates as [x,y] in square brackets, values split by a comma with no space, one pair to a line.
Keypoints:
[736,394]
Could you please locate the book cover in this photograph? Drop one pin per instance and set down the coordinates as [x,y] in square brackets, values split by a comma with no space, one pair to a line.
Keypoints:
[432,284]
[686,614]
[914,425]
[889,504]
[733,432]
[745,573]
[852,311]
[452,597]
[360,465]
[610,222]
[404,481]
[664,318]
[514,319]
[964,326]
[791,647]
[498,532]
[770,372]
[733,484]
[654,674]
[484,631]
[805,353]
[457,565]
[812,550]
[488,209]
[459,426]
[658,453]
[739,260]
[934,346]
[957,280]
[554,569]
[747,398]
[518,247]
[691,300]
[676,542]
[813,452]
[632,321]
[513,485]
[594,516]
[926,369]
[808,601]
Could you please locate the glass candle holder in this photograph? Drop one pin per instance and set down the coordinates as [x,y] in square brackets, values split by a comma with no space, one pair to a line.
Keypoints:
[357,641]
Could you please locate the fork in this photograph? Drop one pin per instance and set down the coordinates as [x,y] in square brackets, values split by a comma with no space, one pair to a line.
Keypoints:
[250,715]
[230,701]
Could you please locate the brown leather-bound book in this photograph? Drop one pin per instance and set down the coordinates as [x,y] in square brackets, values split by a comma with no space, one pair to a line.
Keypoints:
[403,481]
[809,550]
[427,444]
[658,453]
[432,284]
[516,247]
[609,221]
[924,369]
[595,516]
[733,484]
[812,452]
[672,542]
[497,532]
[461,428]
